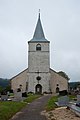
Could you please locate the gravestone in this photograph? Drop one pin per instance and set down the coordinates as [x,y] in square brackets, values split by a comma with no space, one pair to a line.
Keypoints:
[78,101]
[63,93]
[78,98]
[4,97]
[63,101]
[17,95]
[75,109]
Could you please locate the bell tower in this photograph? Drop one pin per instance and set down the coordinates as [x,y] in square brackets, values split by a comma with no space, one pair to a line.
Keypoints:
[38,61]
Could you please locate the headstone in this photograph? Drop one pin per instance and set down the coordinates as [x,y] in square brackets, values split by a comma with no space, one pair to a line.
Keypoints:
[4,97]
[63,101]
[17,95]
[78,98]
[75,109]
[24,94]
[78,101]
[63,92]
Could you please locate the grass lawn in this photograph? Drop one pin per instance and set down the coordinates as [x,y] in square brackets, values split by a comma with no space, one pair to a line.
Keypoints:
[9,108]
[51,102]
[31,97]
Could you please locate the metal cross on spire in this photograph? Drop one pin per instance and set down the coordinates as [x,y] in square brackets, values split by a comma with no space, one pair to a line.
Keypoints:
[39,13]
[39,10]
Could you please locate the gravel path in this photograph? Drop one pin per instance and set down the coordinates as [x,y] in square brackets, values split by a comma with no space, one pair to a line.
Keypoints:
[33,110]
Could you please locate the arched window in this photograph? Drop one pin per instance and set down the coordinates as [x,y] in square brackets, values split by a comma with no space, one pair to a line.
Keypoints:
[38,47]
[57,90]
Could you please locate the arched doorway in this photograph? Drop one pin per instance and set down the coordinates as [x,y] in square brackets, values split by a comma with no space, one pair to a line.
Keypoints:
[57,90]
[38,89]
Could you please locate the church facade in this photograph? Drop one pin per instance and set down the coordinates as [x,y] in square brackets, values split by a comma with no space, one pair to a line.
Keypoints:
[39,77]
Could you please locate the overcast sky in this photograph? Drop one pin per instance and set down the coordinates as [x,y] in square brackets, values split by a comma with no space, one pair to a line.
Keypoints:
[61,24]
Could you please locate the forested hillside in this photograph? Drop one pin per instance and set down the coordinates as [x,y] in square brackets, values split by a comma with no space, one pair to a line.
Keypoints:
[4,82]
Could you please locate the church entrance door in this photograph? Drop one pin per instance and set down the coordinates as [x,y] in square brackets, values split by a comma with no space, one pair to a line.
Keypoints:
[38,89]
[57,90]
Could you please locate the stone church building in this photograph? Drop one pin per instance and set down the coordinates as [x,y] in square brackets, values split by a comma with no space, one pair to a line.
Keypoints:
[39,77]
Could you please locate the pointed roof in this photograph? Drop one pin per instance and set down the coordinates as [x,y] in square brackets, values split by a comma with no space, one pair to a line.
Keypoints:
[38,34]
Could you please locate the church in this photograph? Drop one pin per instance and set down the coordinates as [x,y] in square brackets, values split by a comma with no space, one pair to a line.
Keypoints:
[39,77]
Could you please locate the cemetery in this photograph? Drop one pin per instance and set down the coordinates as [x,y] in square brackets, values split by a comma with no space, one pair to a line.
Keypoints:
[11,103]
[62,102]
[64,107]
[59,103]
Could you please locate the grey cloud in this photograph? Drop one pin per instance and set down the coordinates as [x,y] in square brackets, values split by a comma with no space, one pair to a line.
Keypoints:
[61,23]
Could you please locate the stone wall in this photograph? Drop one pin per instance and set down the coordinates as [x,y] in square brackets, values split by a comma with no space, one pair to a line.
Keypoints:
[44,82]
[38,60]
[38,65]
[57,81]
[20,79]
[44,46]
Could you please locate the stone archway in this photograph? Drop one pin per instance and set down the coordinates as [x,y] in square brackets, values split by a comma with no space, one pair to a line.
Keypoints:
[38,89]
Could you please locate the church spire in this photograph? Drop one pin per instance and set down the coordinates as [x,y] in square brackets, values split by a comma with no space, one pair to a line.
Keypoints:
[39,34]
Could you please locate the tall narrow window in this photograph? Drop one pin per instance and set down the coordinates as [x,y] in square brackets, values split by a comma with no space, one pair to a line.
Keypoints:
[38,47]
[57,90]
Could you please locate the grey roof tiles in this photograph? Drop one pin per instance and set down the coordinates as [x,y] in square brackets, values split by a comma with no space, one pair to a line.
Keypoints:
[39,34]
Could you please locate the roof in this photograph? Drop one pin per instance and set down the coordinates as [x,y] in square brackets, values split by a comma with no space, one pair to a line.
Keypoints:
[27,69]
[19,73]
[57,73]
[38,34]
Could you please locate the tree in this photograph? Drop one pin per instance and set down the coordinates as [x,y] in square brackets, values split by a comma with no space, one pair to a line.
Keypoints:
[8,88]
[1,89]
[63,74]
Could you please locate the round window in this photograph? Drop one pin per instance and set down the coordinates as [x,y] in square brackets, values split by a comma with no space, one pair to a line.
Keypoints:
[38,78]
